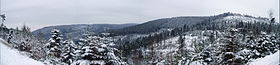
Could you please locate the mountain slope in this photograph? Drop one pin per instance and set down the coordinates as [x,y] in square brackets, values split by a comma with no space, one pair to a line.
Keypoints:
[174,22]
[76,30]
[155,25]
[13,57]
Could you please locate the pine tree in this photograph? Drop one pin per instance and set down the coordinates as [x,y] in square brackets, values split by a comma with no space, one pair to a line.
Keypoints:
[54,47]
[67,55]
[249,47]
[230,48]
[26,30]
[54,44]
[266,45]
[3,18]
[182,44]
[25,45]
[97,51]
[206,56]
[10,36]
[153,54]
[250,40]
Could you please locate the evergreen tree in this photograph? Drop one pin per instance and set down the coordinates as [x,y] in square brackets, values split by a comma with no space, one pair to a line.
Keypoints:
[206,56]
[26,30]
[53,47]
[230,48]
[265,46]
[153,54]
[98,51]
[10,36]
[181,41]
[67,55]
[25,45]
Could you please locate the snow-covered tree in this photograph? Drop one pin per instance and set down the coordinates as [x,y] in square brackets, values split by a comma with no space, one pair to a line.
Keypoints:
[24,45]
[54,43]
[68,48]
[230,48]
[98,51]
[10,36]
[266,45]
[25,29]
[206,56]
[53,47]
[181,41]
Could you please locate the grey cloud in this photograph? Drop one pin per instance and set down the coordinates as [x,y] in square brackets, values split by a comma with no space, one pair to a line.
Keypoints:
[40,13]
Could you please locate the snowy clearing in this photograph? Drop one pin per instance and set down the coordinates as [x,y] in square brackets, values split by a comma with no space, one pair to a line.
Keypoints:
[13,57]
[268,60]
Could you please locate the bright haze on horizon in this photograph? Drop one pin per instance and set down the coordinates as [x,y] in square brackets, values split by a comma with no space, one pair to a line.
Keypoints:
[40,13]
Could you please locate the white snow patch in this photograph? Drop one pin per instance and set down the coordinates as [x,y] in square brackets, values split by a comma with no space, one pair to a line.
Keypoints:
[267,60]
[243,18]
[13,57]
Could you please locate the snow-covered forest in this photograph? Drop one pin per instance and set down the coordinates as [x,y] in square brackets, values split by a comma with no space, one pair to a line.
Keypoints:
[224,39]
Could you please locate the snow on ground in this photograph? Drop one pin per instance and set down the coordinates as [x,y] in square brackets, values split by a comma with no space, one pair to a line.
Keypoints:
[268,60]
[171,45]
[13,57]
[245,19]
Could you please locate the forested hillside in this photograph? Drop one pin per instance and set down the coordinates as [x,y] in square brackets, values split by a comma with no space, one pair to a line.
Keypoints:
[224,39]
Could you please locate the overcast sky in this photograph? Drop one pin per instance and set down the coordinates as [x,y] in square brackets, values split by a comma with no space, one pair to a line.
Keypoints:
[41,13]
